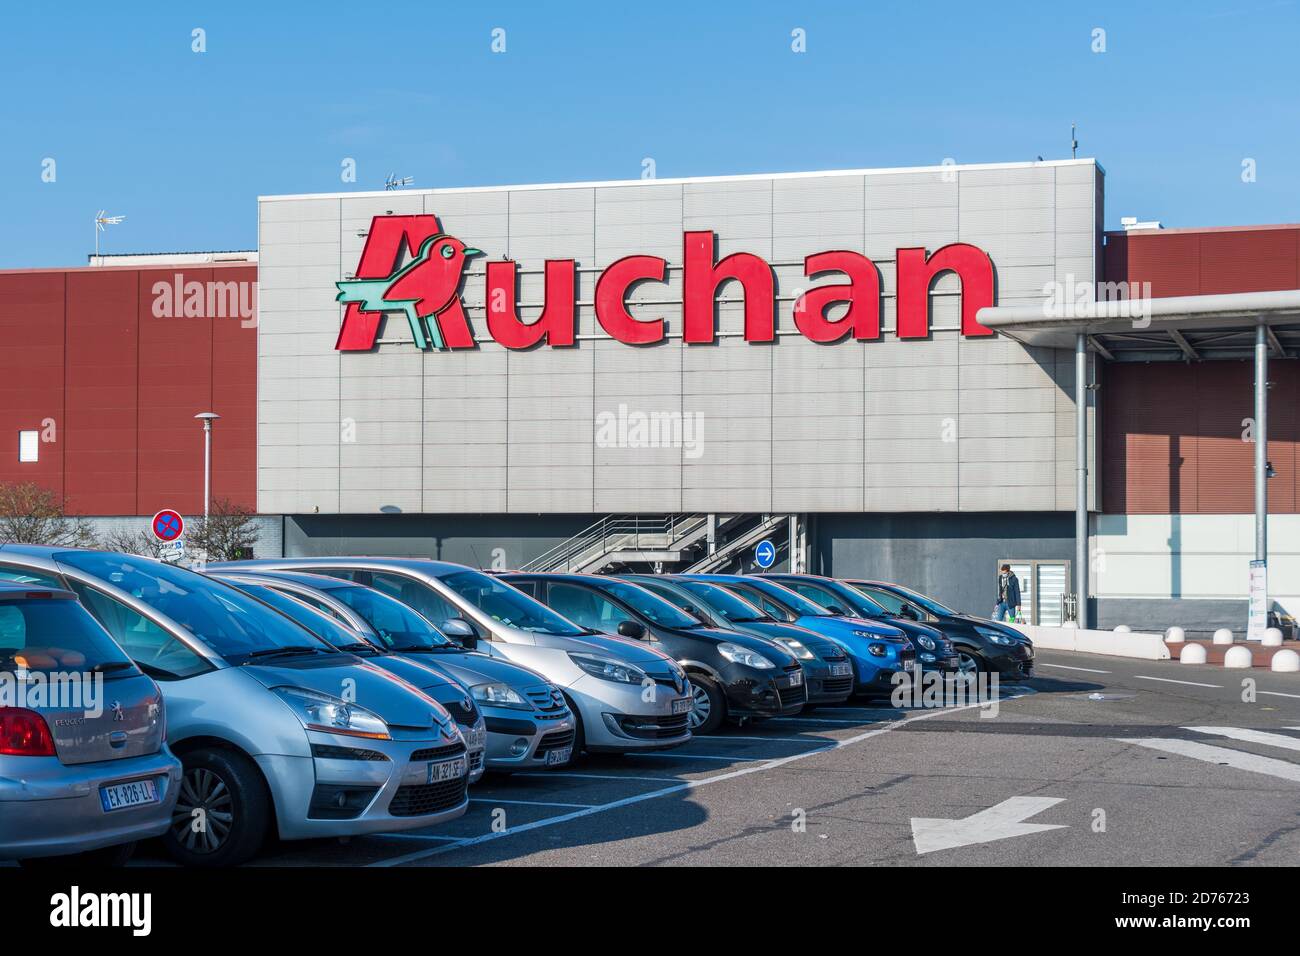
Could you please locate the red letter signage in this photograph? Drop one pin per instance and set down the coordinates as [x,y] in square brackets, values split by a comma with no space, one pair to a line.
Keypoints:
[611,299]
[554,325]
[862,294]
[701,278]
[916,274]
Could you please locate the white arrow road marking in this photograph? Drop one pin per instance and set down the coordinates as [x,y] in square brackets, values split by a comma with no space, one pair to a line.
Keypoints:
[1252,736]
[1002,820]
[1222,755]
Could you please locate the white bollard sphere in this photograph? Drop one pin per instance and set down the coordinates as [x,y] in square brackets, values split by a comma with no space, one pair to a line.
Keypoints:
[1286,661]
[1223,636]
[1272,637]
[1123,629]
[1175,635]
[1238,656]
[1192,654]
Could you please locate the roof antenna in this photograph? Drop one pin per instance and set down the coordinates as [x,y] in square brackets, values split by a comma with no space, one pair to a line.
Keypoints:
[474,551]
[1074,142]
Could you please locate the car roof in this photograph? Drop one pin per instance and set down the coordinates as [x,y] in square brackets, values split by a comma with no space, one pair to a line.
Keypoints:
[305,564]
[321,582]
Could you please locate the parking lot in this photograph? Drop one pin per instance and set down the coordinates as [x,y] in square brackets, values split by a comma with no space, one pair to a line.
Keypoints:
[1131,763]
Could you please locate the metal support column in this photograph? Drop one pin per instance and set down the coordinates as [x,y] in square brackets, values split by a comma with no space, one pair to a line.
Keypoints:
[1081,477]
[1261,442]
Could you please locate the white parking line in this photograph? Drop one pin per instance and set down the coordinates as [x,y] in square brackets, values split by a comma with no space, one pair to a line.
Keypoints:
[1274,693]
[821,720]
[1280,741]
[683,786]
[533,803]
[1236,759]
[819,741]
[417,836]
[595,776]
[1067,667]
[1167,680]
[679,756]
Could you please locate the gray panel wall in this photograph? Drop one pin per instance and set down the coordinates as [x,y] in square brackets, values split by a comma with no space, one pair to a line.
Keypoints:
[950,557]
[944,424]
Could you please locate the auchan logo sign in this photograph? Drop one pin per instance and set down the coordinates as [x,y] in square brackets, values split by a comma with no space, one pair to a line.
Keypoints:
[426,290]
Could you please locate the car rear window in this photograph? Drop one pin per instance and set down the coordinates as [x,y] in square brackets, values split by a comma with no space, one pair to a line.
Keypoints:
[55,635]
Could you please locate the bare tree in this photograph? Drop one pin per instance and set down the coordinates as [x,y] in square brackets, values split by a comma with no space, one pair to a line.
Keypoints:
[30,514]
[226,534]
[128,541]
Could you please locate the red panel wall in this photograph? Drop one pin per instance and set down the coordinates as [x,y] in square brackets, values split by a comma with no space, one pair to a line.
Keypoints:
[96,350]
[31,373]
[1206,261]
[1171,434]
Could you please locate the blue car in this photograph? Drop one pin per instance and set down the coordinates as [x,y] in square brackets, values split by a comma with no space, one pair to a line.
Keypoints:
[878,651]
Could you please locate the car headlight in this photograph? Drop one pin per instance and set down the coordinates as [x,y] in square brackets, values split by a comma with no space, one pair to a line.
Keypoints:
[333,715]
[796,648]
[620,672]
[997,637]
[743,655]
[499,695]
[877,650]
[926,642]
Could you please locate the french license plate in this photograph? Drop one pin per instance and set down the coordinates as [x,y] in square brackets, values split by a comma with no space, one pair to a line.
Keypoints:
[447,770]
[841,670]
[557,758]
[796,679]
[684,705]
[138,793]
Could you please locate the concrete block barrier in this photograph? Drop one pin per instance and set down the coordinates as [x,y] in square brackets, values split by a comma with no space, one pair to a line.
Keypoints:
[1223,636]
[1238,656]
[1175,635]
[1193,654]
[1288,661]
[1126,643]
[1272,637]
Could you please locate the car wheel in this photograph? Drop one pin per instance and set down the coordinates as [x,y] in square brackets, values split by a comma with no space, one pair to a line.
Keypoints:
[969,664]
[579,735]
[106,857]
[223,810]
[710,708]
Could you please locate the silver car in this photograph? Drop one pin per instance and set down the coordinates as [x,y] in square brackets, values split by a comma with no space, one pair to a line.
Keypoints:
[529,725]
[274,728]
[627,696]
[84,766]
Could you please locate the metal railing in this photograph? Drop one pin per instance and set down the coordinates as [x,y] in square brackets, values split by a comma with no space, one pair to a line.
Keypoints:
[617,533]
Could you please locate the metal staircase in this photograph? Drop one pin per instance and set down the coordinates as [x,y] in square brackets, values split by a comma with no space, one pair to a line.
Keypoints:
[672,542]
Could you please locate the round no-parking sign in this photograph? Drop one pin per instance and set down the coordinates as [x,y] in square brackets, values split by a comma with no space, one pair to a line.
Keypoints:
[168,525]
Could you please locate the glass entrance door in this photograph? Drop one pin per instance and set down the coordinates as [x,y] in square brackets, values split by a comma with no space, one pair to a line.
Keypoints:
[1042,589]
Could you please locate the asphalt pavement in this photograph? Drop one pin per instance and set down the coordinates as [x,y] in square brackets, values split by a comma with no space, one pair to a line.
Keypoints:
[1098,761]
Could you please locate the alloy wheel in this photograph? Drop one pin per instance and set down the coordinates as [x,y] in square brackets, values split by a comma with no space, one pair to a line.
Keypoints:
[204,812]
[703,708]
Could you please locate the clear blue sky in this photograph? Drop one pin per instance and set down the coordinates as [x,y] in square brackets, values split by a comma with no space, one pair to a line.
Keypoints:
[183,143]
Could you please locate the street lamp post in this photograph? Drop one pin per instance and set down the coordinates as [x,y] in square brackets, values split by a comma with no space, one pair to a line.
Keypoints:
[207,418]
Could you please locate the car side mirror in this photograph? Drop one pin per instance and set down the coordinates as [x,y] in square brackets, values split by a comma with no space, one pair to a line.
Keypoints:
[632,629]
[836,610]
[908,612]
[461,631]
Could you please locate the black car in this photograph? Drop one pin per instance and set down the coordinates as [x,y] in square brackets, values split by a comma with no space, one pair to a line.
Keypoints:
[982,645]
[934,648]
[731,674]
[826,665]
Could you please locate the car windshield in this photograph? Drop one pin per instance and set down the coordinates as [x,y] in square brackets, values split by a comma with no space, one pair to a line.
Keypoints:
[401,628]
[929,603]
[509,605]
[728,604]
[234,625]
[800,605]
[56,634]
[650,606]
[322,625]
[840,594]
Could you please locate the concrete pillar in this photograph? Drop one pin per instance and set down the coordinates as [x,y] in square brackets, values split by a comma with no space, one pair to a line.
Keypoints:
[1081,476]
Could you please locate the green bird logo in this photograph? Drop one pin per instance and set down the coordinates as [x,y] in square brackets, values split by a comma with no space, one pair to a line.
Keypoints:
[422,288]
